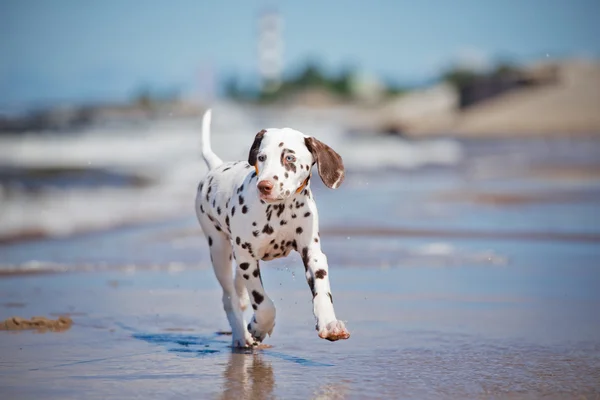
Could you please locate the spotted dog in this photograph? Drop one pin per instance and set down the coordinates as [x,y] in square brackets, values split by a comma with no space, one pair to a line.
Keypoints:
[262,210]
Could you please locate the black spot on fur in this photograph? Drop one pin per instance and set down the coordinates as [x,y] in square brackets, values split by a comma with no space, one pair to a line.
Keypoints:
[268,229]
[254,223]
[254,307]
[287,175]
[219,210]
[227,169]
[280,211]
[307,214]
[287,192]
[253,175]
[255,233]
[238,240]
[293,215]
[246,276]
[304,256]
[201,209]
[244,266]
[299,230]
[275,177]
[214,202]
[282,222]
[241,200]
[276,246]
[211,218]
[232,210]
[320,274]
[209,241]
[244,209]
[330,297]
[316,240]
[281,144]
[217,227]
[266,255]
[256,273]
[311,285]
[249,247]
[227,221]
[258,298]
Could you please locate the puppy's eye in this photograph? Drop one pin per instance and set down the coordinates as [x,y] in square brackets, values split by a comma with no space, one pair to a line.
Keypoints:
[290,158]
[262,158]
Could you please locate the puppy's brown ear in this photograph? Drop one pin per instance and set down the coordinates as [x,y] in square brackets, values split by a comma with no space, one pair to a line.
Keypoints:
[255,147]
[329,163]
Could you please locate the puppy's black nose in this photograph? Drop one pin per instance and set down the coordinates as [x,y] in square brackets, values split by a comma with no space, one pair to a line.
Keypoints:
[265,187]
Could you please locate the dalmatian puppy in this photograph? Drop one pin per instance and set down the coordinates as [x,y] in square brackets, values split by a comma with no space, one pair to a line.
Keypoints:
[262,210]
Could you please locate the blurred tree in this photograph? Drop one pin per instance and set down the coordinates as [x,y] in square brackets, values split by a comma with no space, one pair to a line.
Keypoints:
[505,69]
[310,77]
[460,77]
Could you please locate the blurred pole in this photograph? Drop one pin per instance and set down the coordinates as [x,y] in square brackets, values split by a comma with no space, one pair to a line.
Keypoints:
[270,49]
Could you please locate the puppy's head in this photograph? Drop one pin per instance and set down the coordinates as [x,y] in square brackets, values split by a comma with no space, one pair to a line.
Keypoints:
[283,159]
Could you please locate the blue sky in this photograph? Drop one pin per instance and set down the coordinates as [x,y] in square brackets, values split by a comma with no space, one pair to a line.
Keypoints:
[97,50]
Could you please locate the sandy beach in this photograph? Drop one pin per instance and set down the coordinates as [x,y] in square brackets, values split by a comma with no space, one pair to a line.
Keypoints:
[528,330]
[475,281]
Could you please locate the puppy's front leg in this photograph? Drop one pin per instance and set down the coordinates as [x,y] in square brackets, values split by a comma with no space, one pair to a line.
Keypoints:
[317,276]
[263,321]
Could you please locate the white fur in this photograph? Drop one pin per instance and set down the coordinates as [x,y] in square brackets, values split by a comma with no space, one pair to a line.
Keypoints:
[239,224]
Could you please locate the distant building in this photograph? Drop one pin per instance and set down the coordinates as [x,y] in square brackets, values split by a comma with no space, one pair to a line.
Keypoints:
[270,50]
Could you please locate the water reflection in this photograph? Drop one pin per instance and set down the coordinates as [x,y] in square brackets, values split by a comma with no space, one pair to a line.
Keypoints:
[248,376]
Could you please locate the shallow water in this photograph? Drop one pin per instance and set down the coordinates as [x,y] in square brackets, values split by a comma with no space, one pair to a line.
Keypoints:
[464,332]
[479,281]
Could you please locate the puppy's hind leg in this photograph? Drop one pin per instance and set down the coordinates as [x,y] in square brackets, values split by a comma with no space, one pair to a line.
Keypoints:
[220,254]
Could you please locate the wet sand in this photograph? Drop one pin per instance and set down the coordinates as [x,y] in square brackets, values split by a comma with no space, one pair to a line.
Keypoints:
[524,331]
[460,297]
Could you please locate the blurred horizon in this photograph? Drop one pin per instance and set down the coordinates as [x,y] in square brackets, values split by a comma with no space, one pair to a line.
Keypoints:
[75,52]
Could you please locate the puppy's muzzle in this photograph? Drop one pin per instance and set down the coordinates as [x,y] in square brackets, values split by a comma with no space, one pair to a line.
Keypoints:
[265,187]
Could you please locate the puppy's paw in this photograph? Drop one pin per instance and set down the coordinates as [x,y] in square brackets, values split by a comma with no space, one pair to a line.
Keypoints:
[333,331]
[260,331]
[244,343]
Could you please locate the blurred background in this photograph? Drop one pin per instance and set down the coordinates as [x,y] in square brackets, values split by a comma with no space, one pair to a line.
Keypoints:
[463,118]
[462,245]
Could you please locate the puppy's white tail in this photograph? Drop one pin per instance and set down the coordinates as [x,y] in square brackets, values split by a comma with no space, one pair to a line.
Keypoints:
[212,160]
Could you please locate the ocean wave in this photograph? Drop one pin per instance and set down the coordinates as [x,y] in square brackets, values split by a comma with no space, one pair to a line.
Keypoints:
[166,156]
